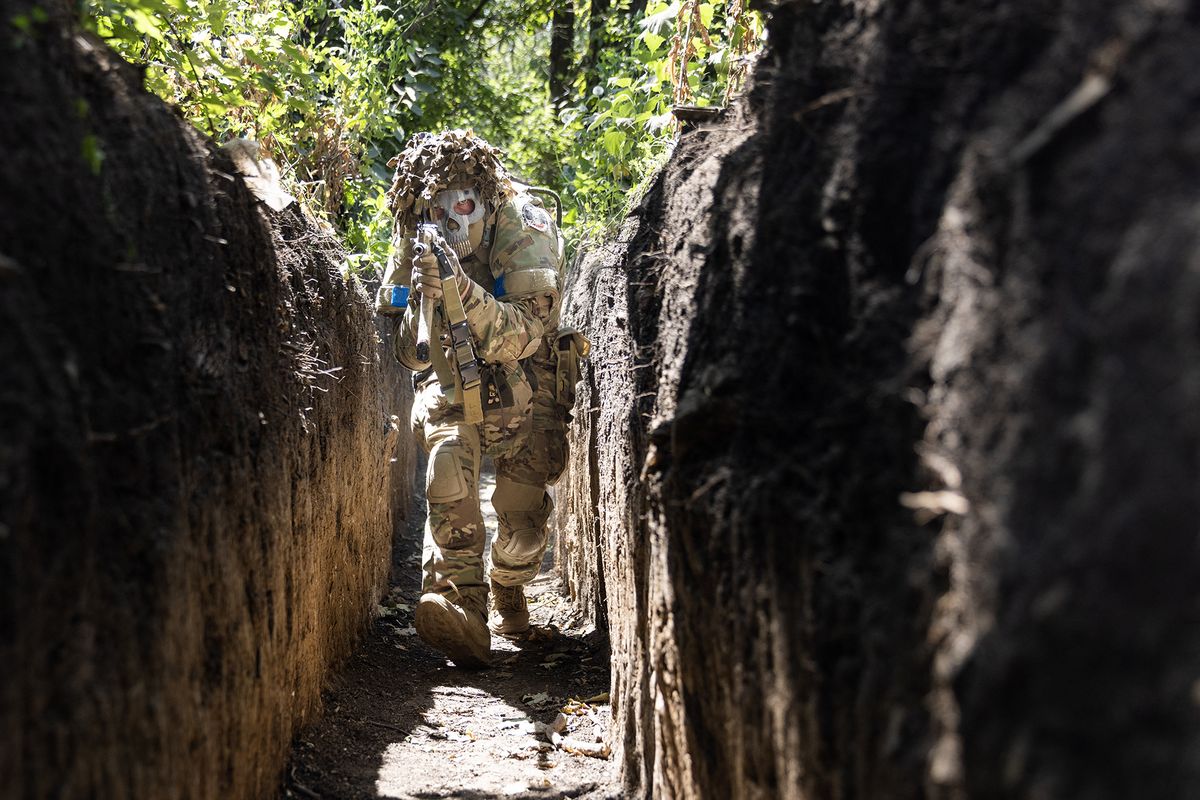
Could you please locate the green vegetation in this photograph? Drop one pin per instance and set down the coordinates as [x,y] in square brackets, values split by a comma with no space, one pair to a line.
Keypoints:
[579,93]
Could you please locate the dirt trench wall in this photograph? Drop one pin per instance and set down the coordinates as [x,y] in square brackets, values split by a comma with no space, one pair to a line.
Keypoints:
[196,490]
[887,471]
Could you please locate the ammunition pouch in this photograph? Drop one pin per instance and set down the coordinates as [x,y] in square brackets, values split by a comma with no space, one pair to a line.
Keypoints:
[507,399]
[507,407]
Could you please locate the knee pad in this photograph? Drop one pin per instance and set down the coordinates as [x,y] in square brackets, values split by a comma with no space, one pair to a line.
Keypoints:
[514,497]
[445,479]
[522,545]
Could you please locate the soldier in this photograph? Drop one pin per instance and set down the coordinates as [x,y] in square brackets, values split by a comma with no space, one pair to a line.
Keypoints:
[499,378]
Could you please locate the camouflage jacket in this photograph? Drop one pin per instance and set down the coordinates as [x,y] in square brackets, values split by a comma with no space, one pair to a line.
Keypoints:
[512,305]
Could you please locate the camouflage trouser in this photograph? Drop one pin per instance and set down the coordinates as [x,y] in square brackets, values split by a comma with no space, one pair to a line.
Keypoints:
[454,532]
[522,503]
[454,529]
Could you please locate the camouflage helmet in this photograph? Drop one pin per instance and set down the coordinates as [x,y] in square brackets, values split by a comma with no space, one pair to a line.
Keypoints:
[432,162]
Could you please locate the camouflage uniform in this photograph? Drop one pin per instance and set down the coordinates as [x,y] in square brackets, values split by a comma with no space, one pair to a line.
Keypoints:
[516,335]
[522,503]
[499,379]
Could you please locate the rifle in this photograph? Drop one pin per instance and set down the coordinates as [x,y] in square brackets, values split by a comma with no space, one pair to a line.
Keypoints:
[426,236]
[460,335]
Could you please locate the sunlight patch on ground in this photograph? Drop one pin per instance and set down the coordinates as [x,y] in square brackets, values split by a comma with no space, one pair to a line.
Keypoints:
[447,754]
[477,738]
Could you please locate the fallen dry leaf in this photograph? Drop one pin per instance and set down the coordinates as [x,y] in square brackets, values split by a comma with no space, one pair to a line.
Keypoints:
[539,701]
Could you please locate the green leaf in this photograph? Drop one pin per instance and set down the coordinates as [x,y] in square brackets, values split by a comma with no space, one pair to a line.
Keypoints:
[653,41]
[268,82]
[213,104]
[217,15]
[231,72]
[194,58]
[146,24]
[614,141]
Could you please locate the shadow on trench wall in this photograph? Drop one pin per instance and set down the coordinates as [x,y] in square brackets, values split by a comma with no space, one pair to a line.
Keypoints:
[885,474]
[195,505]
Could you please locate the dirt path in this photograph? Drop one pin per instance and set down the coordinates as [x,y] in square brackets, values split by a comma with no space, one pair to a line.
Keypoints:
[400,722]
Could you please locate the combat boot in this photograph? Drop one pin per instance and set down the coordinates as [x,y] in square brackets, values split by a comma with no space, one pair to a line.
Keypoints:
[457,630]
[510,611]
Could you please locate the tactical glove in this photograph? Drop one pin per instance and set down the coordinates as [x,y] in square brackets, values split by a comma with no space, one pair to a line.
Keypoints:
[426,274]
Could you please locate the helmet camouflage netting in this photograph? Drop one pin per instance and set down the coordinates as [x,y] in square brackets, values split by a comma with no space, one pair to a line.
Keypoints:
[431,162]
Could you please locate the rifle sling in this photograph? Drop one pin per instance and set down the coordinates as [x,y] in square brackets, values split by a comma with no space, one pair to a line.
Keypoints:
[466,377]
[447,376]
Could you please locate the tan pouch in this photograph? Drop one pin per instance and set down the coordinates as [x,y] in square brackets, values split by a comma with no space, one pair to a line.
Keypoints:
[570,347]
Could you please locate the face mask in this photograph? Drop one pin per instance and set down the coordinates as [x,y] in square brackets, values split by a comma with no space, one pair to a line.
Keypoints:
[459,214]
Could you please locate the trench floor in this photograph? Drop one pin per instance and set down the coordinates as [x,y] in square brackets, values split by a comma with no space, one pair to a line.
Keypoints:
[400,721]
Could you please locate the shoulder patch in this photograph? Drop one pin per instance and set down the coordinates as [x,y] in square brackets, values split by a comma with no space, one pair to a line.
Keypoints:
[534,216]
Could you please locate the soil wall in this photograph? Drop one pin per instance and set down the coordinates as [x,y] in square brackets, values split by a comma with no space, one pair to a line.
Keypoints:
[197,482]
[887,469]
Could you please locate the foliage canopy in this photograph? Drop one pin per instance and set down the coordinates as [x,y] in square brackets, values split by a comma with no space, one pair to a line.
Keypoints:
[578,93]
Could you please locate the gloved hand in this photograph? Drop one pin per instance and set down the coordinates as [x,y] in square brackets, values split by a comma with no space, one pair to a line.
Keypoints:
[426,275]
